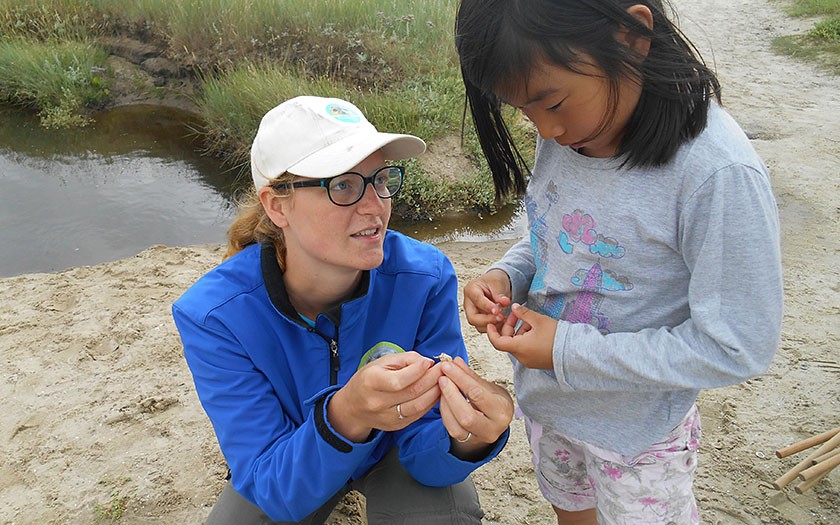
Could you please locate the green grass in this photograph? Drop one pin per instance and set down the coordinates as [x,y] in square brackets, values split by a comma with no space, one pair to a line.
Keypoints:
[117,502]
[395,59]
[413,34]
[112,510]
[233,104]
[821,44]
[827,31]
[813,8]
[57,78]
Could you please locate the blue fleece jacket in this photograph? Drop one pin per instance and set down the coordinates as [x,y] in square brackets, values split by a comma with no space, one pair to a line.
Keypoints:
[264,376]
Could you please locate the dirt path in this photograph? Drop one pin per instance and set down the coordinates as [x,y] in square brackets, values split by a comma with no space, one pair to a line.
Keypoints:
[791,110]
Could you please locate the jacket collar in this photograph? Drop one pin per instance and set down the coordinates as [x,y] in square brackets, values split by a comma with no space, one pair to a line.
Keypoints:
[276,288]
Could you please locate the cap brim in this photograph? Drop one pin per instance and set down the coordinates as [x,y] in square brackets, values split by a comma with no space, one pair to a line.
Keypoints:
[339,157]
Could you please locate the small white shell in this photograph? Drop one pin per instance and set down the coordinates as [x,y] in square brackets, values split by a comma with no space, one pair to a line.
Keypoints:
[443,357]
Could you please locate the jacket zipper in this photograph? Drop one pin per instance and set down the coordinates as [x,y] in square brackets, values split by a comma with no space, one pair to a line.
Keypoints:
[335,362]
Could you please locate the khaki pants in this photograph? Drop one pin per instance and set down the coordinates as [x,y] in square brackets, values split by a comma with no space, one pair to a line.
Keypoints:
[392,496]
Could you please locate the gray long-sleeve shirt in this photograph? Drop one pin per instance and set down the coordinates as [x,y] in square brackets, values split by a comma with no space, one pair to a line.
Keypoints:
[665,281]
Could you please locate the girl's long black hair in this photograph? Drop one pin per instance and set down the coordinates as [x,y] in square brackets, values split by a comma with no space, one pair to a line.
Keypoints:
[499,41]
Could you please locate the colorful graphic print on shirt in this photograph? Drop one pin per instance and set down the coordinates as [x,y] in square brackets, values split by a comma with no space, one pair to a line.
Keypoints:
[577,229]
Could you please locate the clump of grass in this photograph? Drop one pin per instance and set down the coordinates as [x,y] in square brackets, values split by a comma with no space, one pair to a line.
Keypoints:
[113,509]
[117,503]
[50,19]
[813,8]
[408,32]
[59,79]
[827,31]
[422,197]
[822,43]
[234,103]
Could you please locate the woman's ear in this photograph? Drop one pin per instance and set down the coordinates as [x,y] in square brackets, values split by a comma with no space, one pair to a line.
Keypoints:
[275,206]
[638,43]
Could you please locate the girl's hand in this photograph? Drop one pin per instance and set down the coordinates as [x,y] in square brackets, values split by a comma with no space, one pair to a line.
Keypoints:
[388,394]
[475,411]
[485,298]
[532,344]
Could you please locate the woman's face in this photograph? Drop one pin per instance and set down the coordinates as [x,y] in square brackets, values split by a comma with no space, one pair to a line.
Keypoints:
[323,238]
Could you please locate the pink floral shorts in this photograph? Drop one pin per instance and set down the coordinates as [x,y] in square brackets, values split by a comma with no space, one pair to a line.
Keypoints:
[654,487]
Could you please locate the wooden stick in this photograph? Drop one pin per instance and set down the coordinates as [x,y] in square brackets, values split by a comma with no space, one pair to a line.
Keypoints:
[819,468]
[826,456]
[791,474]
[799,446]
[804,486]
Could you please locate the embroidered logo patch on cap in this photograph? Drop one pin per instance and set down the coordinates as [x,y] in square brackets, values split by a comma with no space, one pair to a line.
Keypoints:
[344,113]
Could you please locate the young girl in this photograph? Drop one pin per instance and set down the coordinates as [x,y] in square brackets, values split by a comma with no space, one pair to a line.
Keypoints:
[312,345]
[652,265]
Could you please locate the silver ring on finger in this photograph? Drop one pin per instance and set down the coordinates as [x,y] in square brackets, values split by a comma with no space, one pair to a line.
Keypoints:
[399,411]
[469,435]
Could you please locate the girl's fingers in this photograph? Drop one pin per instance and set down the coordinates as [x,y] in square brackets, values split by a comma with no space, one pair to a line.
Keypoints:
[499,340]
[479,299]
[508,328]
[480,321]
[481,314]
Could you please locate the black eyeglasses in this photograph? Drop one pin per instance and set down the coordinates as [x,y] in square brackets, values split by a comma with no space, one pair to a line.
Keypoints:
[348,188]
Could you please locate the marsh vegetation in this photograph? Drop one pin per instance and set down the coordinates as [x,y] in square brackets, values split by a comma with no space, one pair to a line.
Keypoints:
[235,60]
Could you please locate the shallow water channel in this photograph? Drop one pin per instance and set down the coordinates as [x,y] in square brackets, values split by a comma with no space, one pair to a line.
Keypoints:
[132,180]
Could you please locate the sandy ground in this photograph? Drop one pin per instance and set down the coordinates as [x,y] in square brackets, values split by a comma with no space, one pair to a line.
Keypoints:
[98,416]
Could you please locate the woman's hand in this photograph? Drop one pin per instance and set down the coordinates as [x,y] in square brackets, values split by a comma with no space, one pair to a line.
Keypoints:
[485,298]
[387,394]
[475,411]
[531,343]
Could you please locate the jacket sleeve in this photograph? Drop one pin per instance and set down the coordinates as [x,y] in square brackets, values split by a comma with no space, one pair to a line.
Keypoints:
[424,445]
[281,465]
[729,239]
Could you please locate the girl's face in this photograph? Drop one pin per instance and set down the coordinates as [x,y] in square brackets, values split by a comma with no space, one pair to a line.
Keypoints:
[570,107]
[323,239]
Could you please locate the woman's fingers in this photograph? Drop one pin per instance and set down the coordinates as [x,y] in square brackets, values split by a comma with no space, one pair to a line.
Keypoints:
[395,372]
[417,407]
[466,380]
[459,417]
[476,405]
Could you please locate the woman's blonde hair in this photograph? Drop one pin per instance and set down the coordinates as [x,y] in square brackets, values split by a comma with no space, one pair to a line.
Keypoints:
[252,224]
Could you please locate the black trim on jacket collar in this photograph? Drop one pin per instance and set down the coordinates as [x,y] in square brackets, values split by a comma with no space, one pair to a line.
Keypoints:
[276,288]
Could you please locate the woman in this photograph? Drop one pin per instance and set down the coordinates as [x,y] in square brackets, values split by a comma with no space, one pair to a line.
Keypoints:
[283,337]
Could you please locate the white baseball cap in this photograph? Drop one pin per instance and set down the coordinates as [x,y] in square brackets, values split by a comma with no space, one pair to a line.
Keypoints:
[317,137]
